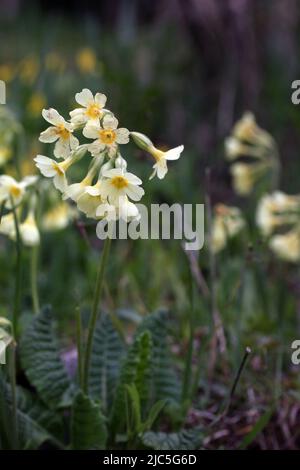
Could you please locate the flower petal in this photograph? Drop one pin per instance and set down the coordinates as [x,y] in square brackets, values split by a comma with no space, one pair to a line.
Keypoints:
[62,149]
[85,97]
[49,135]
[52,116]
[122,135]
[174,154]
[133,179]
[135,192]
[91,131]
[110,122]
[100,99]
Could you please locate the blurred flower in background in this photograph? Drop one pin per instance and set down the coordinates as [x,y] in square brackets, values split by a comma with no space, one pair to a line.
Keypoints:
[227,223]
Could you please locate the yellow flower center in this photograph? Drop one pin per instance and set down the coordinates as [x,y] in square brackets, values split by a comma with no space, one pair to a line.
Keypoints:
[57,168]
[107,136]
[93,111]
[119,182]
[63,132]
[15,191]
[156,153]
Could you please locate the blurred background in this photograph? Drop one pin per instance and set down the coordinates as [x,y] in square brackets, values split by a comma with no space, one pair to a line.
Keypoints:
[182,72]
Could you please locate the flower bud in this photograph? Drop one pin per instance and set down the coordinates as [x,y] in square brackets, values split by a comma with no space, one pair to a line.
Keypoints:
[141,140]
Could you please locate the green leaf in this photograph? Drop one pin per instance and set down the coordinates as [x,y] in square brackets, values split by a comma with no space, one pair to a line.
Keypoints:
[260,424]
[107,354]
[88,425]
[133,409]
[37,411]
[186,439]
[30,433]
[153,414]
[166,384]
[42,363]
[136,369]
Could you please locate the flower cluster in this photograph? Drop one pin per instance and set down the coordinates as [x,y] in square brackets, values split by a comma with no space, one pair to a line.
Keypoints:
[278,217]
[227,223]
[108,190]
[253,154]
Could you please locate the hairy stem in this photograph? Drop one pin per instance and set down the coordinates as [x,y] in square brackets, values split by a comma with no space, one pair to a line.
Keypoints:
[94,313]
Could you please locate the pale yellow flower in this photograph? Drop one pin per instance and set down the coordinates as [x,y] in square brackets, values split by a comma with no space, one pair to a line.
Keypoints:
[13,191]
[86,60]
[107,135]
[52,169]
[287,246]
[227,223]
[29,231]
[7,225]
[160,168]
[234,149]
[117,184]
[245,176]
[60,132]
[246,129]
[58,217]
[92,108]
[277,209]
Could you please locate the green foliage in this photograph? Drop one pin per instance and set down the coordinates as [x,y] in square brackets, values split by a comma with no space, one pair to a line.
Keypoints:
[88,425]
[42,363]
[165,381]
[107,353]
[34,421]
[184,440]
[136,369]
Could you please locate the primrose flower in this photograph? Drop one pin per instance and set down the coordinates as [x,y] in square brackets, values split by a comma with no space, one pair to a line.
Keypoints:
[108,189]
[287,246]
[247,139]
[52,169]
[161,157]
[246,129]
[227,223]
[234,148]
[29,231]
[60,132]
[277,209]
[92,108]
[117,184]
[7,225]
[90,200]
[12,191]
[245,176]
[124,209]
[107,135]
[58,217]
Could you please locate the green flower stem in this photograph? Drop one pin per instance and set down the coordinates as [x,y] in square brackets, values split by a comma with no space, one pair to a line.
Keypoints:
[79,346]
[18,285]
[33,279]
[12,376]
[94,313]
